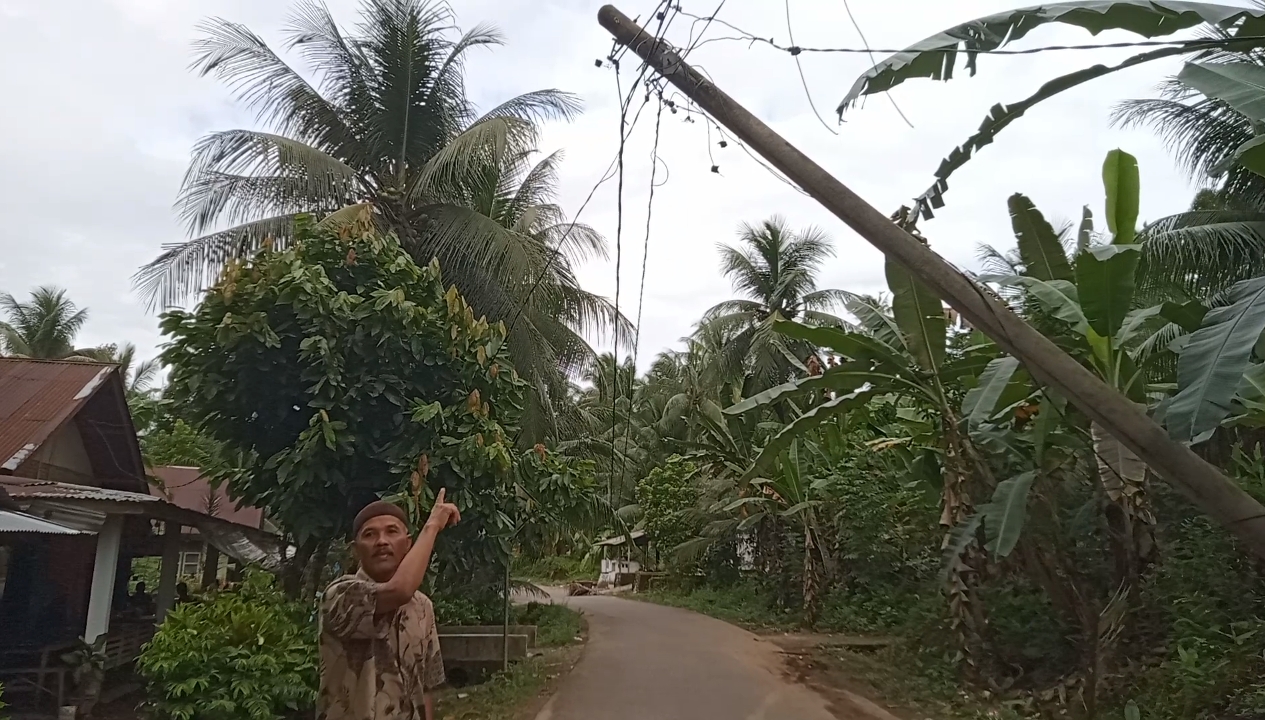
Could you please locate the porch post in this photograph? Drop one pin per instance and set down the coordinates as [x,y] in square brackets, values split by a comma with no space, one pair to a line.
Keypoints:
[167,571]
[104,568]
[210,567]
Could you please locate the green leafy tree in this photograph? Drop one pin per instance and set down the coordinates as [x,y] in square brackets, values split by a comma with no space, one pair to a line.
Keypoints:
[388,125]
[561,505]
[667,498]
[336,371]
[1094,297]
[175,442]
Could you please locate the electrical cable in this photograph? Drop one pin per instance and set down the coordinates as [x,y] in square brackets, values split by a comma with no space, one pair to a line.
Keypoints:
[802,79]
[873,61]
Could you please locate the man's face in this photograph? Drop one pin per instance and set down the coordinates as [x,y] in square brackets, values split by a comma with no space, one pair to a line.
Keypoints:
[380,545]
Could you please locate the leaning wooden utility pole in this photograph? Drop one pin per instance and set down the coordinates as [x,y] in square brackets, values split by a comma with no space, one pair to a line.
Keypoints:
[1200,481]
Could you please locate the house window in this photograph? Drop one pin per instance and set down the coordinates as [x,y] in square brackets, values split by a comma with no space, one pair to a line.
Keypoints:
[189,562]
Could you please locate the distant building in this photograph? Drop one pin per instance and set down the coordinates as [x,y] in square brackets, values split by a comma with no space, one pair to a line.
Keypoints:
[188,488]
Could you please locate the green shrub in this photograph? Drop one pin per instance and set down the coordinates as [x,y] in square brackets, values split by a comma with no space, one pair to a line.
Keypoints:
[556,625]
[557,567]
[458,611]
[747,603]
[246,654]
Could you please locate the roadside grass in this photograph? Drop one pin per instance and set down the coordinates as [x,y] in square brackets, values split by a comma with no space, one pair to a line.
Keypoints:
[745,605]
[556,625]
[519,693]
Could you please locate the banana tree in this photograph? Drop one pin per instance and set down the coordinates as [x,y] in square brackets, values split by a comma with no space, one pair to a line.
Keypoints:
[791,494]
[904,358]
[1091,297]
[936,57]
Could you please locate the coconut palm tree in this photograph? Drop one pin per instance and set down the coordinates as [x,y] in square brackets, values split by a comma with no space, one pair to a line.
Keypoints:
[1220,240]
[775,267]
[140,377]
[517,191]
[387,124]
[43,327]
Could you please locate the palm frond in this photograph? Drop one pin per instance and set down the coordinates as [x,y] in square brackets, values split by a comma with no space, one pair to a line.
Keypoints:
[244,173]
[1194,255]
[189,267]
[538,106]
[263,82]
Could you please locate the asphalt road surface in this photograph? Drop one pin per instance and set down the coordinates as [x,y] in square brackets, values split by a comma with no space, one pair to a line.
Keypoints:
[650,662]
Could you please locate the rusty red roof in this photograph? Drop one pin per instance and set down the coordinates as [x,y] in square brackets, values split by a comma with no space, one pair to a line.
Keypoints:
[37,397]
[188,488]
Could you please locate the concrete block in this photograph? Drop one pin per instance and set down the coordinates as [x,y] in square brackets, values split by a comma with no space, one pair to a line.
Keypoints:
[469,647]
[528,630]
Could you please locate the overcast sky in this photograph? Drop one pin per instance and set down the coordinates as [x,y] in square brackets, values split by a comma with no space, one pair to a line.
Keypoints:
[101,112]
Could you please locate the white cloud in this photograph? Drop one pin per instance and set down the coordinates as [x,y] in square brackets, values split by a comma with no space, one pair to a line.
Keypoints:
[99,121]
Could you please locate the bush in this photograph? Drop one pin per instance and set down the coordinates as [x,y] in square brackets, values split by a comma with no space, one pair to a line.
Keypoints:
[557,567]
[556,625]
[459,611]
[237,655]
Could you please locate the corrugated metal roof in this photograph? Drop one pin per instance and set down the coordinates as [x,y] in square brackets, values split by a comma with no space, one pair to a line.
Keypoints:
[620,540]
[36,397]
[188,488]
[29,489]
[16,522]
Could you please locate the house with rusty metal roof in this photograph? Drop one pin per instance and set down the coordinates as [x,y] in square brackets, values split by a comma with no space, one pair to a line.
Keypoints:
[78,509]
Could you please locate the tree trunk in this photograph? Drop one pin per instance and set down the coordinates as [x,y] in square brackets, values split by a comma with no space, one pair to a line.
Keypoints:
[292,572]
[812,580]
[1129,517]
[315,573]
[966,611]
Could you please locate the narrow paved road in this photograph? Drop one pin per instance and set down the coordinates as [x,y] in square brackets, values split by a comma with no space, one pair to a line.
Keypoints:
[649,662]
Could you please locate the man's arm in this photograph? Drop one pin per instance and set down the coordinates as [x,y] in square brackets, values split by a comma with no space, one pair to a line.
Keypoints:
[428,702]
[408,577]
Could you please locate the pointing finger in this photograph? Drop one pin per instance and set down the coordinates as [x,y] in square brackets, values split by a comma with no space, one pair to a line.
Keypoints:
[439,499]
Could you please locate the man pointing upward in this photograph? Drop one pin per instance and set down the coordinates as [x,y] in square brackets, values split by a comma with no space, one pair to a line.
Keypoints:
[379,647]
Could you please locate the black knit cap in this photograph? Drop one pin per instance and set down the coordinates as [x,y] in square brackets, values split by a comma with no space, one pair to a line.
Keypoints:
[373,510]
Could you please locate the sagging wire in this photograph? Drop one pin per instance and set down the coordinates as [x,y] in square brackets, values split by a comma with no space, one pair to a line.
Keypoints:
[645,255]
[610,173]
[665,14]
[752,39]
[873,61]
[802,79]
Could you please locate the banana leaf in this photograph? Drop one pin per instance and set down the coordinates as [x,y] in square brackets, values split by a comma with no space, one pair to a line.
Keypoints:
[803,424]
[1212,363]
[1004,516]
[1105,281]
[1241,85]
[936,57]
[1039,246]
[920,317]
[1120,179]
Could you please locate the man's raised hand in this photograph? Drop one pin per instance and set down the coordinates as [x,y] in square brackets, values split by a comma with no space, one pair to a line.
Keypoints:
[443,514]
